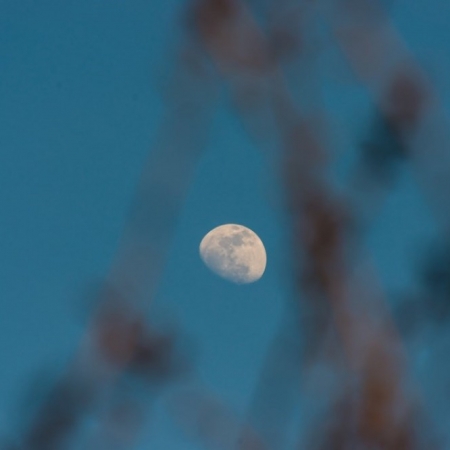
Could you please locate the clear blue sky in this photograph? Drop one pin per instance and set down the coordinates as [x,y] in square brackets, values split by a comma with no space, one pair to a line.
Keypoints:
[80,103]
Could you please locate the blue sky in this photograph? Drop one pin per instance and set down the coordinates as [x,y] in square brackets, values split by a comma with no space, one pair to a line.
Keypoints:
[80,104]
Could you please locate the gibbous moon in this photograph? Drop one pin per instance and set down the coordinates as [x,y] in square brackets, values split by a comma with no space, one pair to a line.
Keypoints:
[235,253]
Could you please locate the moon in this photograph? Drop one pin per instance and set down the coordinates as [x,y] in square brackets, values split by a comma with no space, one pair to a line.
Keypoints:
[235,253]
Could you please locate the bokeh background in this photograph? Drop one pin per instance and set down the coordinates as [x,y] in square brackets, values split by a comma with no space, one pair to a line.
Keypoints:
[81,98]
